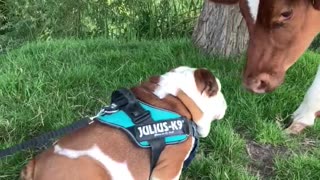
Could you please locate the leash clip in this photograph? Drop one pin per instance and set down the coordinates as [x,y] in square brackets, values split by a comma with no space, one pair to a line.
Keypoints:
[113,108]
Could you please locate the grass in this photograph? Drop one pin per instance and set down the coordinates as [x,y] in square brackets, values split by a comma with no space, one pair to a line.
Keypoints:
[47,85]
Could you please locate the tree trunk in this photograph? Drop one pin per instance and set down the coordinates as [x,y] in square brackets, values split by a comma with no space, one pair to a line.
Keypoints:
[221,30]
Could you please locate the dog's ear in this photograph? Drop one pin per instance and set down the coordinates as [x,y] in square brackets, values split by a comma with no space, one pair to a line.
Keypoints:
[316,4]
[225,1]
[206,82]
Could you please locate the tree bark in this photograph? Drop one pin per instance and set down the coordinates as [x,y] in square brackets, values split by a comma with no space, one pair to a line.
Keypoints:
[221,30]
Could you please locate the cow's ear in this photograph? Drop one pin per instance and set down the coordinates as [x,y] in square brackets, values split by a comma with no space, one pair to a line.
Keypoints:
[225,1]
[316,4]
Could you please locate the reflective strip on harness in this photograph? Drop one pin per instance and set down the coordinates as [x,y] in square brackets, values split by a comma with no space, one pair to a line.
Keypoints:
[169,125]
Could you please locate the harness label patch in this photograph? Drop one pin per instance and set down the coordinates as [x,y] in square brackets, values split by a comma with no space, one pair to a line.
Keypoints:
[159,130]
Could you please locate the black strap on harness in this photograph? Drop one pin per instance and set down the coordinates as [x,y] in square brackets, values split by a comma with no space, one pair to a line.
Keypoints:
[126,101]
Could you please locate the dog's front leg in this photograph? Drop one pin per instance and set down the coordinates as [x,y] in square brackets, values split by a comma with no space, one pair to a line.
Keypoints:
[309,109]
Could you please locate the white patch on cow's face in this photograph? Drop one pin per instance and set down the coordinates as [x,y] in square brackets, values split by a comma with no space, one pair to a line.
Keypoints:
[115,169]
[306,113]
[182,78]
[253,7]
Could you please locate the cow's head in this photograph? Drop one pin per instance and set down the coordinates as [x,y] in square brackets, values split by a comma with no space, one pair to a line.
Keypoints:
[280,31]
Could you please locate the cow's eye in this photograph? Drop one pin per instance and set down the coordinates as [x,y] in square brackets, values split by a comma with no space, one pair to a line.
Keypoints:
[286,15]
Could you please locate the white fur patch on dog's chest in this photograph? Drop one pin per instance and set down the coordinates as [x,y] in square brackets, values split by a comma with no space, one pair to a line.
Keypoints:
[116,170]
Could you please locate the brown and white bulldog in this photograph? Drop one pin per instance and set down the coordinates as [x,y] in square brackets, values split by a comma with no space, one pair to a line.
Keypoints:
[102,152]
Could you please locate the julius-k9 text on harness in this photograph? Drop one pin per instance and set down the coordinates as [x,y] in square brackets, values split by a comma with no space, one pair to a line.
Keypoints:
[148,126]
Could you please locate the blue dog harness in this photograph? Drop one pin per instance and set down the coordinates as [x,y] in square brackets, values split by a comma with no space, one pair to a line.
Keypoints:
[148,126]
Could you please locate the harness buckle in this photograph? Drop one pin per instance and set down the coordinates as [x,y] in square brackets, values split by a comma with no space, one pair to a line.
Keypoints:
[140,117]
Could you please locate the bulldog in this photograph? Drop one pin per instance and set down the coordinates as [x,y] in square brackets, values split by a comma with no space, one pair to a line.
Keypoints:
[100,151]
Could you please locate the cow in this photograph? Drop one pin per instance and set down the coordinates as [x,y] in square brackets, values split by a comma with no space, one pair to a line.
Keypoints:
[279,33]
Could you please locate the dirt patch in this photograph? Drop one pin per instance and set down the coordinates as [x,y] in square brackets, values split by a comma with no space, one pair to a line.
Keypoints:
[262,158]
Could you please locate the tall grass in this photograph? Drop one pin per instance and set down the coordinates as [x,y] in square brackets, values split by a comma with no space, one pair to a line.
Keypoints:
[23,20]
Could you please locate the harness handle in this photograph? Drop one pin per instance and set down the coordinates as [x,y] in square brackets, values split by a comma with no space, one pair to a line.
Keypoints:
[126,101]
[123,97]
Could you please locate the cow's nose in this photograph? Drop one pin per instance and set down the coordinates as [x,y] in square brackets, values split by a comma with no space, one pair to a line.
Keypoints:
[259,84]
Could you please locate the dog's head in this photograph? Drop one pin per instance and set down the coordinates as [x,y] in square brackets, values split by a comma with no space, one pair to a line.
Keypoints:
[198,90]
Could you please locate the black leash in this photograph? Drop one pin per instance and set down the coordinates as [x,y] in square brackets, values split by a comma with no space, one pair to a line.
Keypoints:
[45,139]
